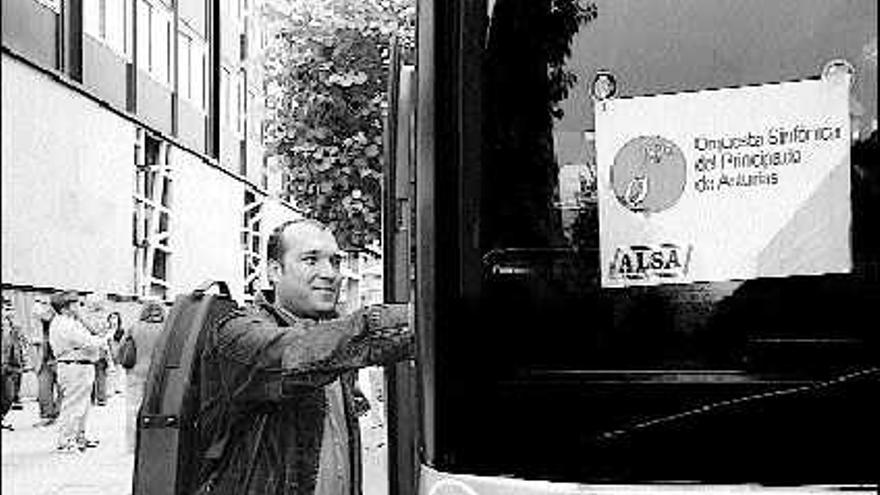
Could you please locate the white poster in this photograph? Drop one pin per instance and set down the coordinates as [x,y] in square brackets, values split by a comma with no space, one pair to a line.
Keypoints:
[725,184]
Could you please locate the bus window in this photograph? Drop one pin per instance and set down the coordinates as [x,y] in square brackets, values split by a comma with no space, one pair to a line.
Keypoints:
[543,374]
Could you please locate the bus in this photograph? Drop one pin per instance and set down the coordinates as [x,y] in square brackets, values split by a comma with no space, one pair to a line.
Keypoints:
[531,377]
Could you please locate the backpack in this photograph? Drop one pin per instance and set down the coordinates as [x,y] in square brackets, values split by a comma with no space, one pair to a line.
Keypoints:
[167,452]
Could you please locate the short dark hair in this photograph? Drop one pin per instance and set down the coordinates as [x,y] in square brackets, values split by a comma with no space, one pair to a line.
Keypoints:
[276,247]
[61,300]
[115,314]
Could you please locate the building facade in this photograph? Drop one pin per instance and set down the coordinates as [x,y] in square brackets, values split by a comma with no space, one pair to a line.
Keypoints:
[132,163]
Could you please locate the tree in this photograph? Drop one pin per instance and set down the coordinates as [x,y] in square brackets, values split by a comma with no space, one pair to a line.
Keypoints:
[326,82]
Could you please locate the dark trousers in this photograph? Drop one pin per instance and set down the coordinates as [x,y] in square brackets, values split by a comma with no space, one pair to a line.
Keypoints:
[7,384]
[16,388]
[48,394]
[99,389]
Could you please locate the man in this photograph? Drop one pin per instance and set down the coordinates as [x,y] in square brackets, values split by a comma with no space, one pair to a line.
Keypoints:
[48,394]
[96,320]
[281,416]
[13,361]
[76,350]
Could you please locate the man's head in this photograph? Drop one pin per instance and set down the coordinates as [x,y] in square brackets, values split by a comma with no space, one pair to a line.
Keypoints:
[42,310]
[304,261]
[65,303]
[94,303]
[152,311]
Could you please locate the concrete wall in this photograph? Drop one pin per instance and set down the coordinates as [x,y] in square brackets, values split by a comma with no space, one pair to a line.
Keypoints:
[206,226]
[67,182]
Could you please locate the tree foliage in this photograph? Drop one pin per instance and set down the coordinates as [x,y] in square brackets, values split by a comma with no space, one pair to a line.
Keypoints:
[326,79]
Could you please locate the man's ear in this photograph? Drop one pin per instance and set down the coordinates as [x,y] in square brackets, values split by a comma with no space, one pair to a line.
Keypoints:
[275,271]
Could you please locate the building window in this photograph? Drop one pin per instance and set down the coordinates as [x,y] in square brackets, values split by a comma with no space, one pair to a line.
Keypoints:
[225,110]
[110,22]
[241,102]
[184,66]
[191,59]
[204,79]
[152,216]
[155,55]
[252,242]
[144,43]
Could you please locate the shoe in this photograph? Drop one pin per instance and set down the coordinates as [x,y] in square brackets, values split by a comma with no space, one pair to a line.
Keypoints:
[88,444]
[44,422]
[102,403]
[7,426]
[17,406]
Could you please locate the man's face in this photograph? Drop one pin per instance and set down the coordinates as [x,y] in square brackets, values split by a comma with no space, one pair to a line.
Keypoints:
[73,308]
[308,279]
[93,304]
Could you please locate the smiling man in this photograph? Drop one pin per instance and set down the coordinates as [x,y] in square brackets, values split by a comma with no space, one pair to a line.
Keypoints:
[279,402]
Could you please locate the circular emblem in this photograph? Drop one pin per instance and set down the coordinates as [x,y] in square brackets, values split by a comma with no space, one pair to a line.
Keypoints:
[648,174]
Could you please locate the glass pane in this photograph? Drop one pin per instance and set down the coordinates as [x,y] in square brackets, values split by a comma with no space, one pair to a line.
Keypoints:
[184,78]
[157,291]
[241,96]
[115,25]
[224,96]
[144,30]
[128,20]
[166,192]
[203,80]
[163,222]
[91,17]
[160,264]
[160,45]
[195,65]
[540,222]
[615,376]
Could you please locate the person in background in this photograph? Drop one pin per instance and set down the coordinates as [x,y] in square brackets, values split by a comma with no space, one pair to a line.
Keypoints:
[97,323]
[76,349]
[144,332]
[12,360]
[115,331]
[48,394]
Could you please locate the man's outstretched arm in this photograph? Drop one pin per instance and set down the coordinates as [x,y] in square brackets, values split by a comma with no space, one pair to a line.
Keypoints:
[269,362]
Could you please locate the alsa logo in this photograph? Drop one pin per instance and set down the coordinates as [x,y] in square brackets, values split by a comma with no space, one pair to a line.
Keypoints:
[666,261]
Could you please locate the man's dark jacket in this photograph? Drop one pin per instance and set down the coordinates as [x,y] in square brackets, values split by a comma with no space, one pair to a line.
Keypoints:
[262,394]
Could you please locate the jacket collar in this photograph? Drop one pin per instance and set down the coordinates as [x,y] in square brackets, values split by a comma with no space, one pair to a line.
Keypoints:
[265,300]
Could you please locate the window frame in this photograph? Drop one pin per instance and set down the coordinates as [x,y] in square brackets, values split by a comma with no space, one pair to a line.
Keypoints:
[98,25]
[159,62]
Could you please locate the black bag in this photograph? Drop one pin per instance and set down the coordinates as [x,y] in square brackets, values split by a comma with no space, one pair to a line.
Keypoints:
[167,450]
[127,354]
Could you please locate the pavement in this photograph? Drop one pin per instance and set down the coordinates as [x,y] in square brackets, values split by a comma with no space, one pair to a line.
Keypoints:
[30,467]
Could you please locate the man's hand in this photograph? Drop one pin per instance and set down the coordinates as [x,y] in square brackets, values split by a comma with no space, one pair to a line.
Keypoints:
[386,317]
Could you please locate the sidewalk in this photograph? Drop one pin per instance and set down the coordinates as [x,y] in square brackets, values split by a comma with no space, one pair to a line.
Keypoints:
[30,467]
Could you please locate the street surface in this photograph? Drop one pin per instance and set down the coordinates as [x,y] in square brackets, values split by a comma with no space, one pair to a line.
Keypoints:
[30,467]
